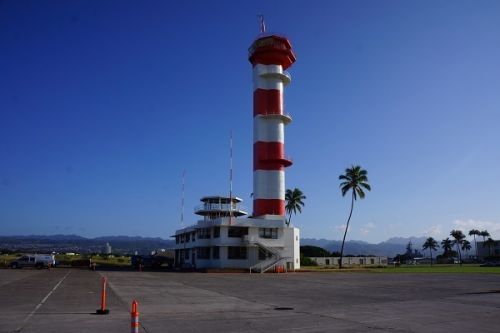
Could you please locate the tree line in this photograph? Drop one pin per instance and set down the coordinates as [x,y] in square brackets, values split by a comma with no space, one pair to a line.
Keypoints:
[459,241]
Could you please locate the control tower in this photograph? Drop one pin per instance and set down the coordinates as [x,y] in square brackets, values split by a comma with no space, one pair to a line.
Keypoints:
[270,56]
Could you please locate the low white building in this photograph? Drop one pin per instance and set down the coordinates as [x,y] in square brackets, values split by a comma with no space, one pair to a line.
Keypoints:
[351,261]
[108,249]
[225,239]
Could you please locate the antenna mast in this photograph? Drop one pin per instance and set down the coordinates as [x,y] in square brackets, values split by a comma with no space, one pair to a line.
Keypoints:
[230,176]
[182,198]
[262,24]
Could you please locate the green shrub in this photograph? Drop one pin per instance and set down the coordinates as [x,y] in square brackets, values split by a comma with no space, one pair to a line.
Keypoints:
[63,262]
[313,251]
[306,261]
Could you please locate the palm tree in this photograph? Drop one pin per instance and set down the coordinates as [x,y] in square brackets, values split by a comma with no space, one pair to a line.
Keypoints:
[354,179]
[294,202]
[474,233]
[466,246]
[489,243]
[459,239]
[431,244]
[446,245]
[484,234]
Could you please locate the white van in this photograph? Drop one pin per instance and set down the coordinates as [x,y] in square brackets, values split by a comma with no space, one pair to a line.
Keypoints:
[34,260]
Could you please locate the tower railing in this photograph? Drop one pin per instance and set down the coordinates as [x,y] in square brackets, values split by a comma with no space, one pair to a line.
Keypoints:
[224,207]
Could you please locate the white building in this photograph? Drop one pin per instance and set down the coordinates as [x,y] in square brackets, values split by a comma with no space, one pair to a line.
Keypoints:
[225,239]
[351,261]
[108,249]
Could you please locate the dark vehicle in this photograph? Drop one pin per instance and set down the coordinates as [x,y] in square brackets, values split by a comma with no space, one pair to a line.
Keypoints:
[151,261]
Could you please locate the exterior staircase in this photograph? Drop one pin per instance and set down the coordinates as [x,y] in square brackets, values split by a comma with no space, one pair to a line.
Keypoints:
[274,259]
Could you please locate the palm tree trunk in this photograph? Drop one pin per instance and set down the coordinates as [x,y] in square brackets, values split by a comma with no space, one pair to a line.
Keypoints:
[430,250]
[475,244]
[459,255]
[289,219]
[345,233]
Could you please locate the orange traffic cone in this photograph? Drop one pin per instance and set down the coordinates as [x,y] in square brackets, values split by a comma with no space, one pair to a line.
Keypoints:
[103,309]
[134,318]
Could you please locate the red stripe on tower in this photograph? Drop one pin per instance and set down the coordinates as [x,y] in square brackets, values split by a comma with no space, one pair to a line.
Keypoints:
[270,57]
[267,101]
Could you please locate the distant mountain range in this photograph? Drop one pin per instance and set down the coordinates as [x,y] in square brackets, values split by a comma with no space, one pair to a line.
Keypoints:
[129,244]
[75,243]
[391,247]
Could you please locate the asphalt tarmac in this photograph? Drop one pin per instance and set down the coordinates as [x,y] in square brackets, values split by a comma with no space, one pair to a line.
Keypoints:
[65,300]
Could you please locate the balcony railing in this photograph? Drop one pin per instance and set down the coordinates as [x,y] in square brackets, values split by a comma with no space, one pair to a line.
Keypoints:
[216,207]
[286,117]
[284,76]
[285,73]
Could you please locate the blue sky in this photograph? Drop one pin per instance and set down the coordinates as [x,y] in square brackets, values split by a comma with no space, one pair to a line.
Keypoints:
[103,104]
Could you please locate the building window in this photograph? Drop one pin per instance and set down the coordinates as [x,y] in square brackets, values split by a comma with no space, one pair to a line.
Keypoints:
[186,254]
[177,239]
[236,252]
[203,253]
[327,262]
[372,261]
[204,233]
[193,236]
[216,232]
[268,233]
[237,232]
[215,252]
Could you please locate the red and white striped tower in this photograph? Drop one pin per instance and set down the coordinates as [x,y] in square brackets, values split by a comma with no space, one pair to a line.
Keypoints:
[270,56]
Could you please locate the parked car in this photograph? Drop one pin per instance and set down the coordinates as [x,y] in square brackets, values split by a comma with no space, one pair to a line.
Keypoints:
[151,261]
[34,260]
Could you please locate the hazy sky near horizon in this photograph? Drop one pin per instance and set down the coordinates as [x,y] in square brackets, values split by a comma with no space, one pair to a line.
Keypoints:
[103,104]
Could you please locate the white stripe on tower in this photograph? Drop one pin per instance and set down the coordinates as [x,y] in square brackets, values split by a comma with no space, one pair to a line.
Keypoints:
[268,130]
[265,184]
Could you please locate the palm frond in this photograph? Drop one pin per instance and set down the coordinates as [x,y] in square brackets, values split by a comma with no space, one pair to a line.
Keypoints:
[345,184]
[366,186]
[345,189]
[360,193]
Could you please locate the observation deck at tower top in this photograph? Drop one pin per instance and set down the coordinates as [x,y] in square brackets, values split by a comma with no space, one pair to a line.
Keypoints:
[220,206]
[271,50]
